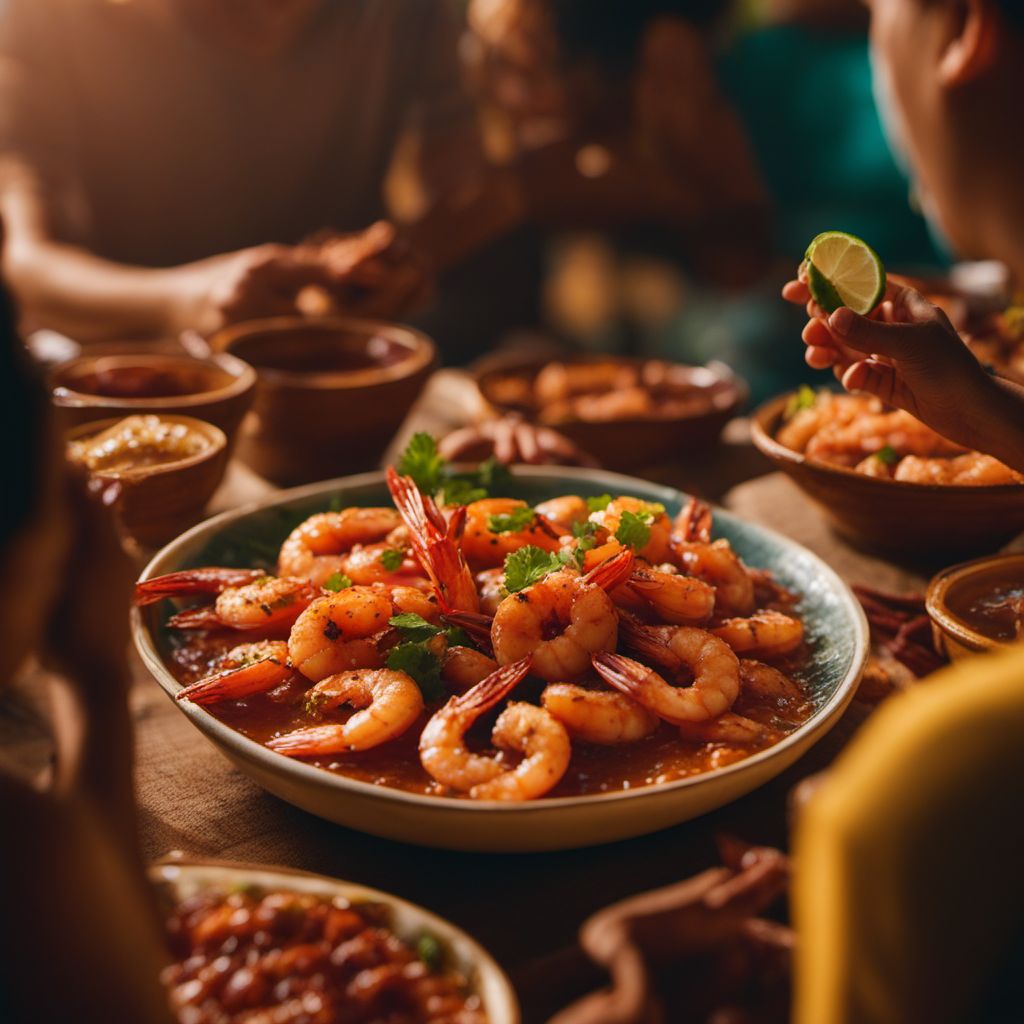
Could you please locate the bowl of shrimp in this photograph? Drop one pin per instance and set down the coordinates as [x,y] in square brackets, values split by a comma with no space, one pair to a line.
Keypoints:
[887,481]
[630,412]
[575,658]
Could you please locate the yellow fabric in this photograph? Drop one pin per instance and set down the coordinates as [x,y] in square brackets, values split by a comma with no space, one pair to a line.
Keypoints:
[909,880]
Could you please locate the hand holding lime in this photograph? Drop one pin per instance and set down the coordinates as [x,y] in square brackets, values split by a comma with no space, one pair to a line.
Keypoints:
[842,270]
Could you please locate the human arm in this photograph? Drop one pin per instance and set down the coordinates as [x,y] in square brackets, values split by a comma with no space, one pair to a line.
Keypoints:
[908,354]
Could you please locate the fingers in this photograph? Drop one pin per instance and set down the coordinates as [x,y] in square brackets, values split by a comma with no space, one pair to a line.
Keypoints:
[869,376]
[796,292]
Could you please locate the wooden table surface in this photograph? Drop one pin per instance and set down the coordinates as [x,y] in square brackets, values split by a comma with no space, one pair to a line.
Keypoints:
[525,908]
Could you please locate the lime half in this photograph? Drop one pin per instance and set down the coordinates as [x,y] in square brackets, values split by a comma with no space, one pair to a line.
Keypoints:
[844,271]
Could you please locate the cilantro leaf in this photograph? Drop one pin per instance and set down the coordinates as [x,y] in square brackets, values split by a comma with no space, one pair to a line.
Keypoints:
[527,566]
[413,627]
[430,951]
[633,530]
[600,503]
[415,660]
[805,398]
[887,455]
[492,473]
[337,581]
[461,490]
[511,522]
[584,530]
[421,461]
[392,559]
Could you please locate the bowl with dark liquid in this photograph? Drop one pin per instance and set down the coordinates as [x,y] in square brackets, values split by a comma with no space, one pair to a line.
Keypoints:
[331,392]
[101,385]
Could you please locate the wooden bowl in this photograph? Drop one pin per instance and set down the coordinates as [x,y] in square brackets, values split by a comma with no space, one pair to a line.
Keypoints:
[158,502]
[952,634]
[217,390]
[891,516]
[332,392]
[630,444]
[177,877]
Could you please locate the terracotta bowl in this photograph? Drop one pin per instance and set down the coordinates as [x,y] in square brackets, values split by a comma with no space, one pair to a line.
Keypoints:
[331,395]
[630,444]
[952,587]
[158,502]
[99,385]
[890,516]
[177,877]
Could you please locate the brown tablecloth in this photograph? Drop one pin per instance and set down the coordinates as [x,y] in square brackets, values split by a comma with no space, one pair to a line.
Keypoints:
[525,908]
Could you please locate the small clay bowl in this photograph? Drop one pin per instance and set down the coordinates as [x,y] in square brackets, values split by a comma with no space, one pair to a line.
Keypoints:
[630,444]
[891,516]
[953,589]
[159,502]
[332,392]
[99,385]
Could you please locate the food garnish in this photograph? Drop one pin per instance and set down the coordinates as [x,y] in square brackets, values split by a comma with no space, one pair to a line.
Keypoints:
[843,270]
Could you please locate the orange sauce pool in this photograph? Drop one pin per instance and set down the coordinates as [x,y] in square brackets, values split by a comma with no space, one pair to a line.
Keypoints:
[661,757]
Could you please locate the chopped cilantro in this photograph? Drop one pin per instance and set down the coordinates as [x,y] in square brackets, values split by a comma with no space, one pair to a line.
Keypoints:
[461,490]
[511,522]
[392,559]
[805,398]
[337,581]
[413,627]
[887,455]
[421,461]
[634,531]
[430,951]
[492,473]
[415,660]
[600,503]
[527,566]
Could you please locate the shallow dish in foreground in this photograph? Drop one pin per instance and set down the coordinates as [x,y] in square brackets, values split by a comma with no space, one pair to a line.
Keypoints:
[834,622]
[178,878]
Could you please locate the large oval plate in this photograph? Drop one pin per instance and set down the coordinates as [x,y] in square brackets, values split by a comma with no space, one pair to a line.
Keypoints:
[834,622]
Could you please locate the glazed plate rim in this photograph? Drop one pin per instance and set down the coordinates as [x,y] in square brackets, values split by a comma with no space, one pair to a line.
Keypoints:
[250,750]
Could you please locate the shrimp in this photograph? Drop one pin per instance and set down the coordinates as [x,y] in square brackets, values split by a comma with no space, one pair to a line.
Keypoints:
[561,620]
[245,670]
[972,469]
[435,543]
[681,600]
[715,562]
[491,587]
[321,546]
[246,599]
[765,634]
[387,703]
[564,512]
[338,632]
[798,430]
[464,667]
[606,717]
[485,549]
[760,680]
[659,544]
[847,443]
[525,728]
[716,679]
[736,730]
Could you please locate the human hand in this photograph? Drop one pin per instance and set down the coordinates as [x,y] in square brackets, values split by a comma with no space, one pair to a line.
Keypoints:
[906,352]
[510,439]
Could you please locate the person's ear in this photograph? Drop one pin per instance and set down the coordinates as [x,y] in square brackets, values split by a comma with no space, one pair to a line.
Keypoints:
[973,43]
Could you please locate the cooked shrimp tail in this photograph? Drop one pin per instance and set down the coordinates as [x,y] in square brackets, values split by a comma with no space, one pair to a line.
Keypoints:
[435,543]
[477,625]
[203,617]
[694,521]
[645,642]
[311,741]
[494,688]
[245,670]
[193,581]
[612,572]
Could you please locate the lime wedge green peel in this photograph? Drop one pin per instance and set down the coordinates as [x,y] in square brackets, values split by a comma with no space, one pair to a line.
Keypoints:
[842,270]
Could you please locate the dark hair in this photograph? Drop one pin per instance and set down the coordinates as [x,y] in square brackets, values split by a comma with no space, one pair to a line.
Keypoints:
[1013,12]
[610,31]
[22,414]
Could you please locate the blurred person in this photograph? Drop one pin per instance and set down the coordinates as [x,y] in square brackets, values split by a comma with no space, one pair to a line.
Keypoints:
[81,937]
[165,161]
[952,73]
